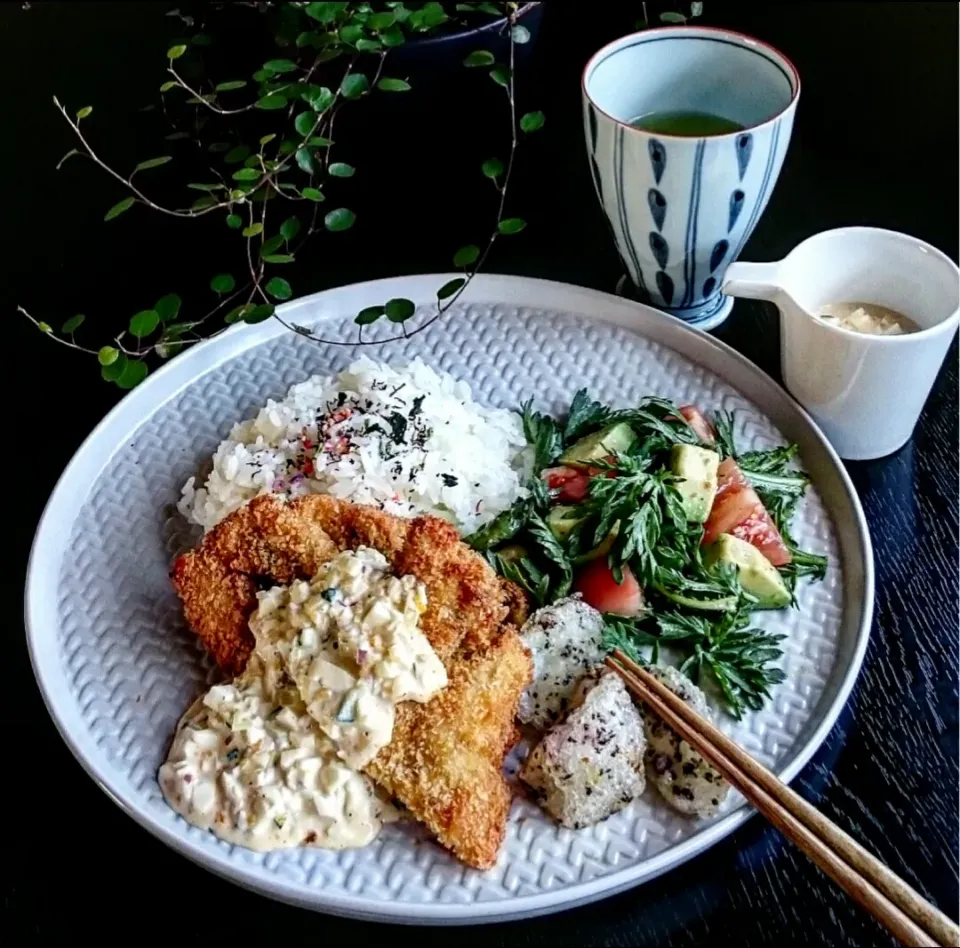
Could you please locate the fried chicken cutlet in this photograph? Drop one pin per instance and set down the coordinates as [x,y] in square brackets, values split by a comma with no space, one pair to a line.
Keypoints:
[445,758]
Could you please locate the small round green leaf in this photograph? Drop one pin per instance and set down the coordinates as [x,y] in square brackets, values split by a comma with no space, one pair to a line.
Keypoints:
[259,313]
[167,307]
[278,288]
[480,57]
[290,228]
[84,112]
[73,323]
[272,102]
[107,355]
[238,312]
[175,52]
[448,289]
[44,327]
[234,221]
[433,14]
[111,371]
[493,168]
[305,161]
[305,123]
[354,85]
[167,86]
[319,98]
[369,315]
[500,75]
[153,163]
[350,33]
[272,245]
[118,208]
[324,12]
[252,230]
[511,225]
[520,34]
[230,86]
[318,141]
[266,139]
[340,218]
[399,310]
[223,283]
[247,174]
[393,85]
[278,258]
[144,323]
[531,121]
[672,17]
[392,37]
[207,201]
[280,65]
[312,194]
[134,372]
[380,21]
[236,154]
[466,255]
[340,169]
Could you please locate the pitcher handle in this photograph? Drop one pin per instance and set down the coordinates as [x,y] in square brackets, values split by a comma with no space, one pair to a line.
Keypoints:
[754,281]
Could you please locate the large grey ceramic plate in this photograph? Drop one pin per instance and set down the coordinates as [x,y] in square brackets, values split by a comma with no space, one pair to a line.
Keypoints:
[117,667]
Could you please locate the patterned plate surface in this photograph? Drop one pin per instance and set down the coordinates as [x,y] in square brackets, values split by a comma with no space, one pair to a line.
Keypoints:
[117,667]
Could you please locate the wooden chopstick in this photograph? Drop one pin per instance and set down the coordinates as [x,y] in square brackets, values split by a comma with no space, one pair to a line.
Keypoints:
[912,919]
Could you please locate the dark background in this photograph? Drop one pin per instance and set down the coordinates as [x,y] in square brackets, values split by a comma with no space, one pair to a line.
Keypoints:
[875,142]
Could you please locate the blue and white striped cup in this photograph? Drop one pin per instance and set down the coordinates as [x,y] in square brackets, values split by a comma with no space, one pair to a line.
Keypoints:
[682,208]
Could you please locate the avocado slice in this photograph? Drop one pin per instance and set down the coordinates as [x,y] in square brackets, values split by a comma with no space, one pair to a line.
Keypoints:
[563,520]
[758,575]
[697,469]
[614,439]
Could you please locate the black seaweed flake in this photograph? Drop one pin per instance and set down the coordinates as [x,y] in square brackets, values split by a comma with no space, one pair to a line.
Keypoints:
[417,406]
[398,427]
[449,480]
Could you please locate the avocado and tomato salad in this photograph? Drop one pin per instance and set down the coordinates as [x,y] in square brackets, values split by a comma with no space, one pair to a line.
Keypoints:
[653,515]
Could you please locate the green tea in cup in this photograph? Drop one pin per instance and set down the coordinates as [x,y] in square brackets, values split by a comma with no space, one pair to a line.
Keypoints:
[686,124]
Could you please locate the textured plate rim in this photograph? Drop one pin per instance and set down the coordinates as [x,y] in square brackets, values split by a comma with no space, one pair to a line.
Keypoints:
[672,333]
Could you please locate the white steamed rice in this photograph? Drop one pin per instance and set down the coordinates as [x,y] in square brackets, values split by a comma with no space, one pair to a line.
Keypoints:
[408,440]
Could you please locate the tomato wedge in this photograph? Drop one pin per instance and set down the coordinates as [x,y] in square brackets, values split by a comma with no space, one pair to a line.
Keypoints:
[573,485]
[739,511]
[600,590]
[698,421]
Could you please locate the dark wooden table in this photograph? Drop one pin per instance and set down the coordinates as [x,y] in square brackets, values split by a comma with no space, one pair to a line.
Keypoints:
[875,143]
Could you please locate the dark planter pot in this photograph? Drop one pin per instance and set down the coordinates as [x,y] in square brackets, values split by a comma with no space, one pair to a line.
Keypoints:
[443,53]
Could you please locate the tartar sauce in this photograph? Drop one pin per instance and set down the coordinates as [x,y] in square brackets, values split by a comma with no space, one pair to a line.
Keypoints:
[250,764]
[351,642]
[272,759]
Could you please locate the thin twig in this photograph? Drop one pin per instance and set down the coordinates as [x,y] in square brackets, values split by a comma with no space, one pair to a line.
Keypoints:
[63,342]
[201,100]
[126,182]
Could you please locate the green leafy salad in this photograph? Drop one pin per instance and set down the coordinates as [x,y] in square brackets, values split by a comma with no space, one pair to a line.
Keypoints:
[660,523]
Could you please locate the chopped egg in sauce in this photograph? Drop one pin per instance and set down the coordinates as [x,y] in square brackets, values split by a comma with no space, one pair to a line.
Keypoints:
[273,759]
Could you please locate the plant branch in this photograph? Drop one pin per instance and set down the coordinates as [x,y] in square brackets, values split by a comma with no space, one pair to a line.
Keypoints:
[126,182]
[201,100]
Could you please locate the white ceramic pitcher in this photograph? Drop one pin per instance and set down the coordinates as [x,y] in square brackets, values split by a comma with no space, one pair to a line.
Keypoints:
[865,391]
